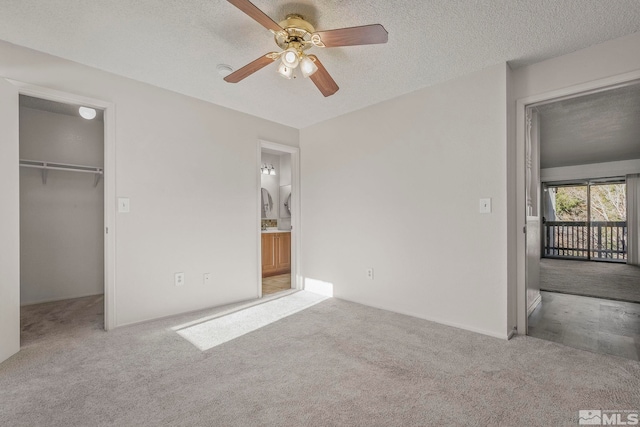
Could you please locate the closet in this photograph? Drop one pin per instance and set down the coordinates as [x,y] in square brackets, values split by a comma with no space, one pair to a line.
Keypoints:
[61,202]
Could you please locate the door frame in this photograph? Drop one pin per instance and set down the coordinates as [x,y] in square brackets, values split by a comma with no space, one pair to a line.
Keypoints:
[109,178]
[595,86]
[296,282]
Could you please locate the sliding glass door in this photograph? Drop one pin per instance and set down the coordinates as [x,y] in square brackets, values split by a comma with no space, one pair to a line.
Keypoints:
[585,221]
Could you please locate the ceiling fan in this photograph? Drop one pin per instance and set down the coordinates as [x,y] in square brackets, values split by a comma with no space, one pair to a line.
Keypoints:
[294,36]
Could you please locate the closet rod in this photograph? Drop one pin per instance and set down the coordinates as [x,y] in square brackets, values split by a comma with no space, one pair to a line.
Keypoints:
[46,166]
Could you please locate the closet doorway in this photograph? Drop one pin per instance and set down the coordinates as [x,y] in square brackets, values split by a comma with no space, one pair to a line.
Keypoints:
[62,240]
[278,218]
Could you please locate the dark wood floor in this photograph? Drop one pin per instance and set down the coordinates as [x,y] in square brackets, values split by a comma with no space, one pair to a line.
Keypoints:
[593,324]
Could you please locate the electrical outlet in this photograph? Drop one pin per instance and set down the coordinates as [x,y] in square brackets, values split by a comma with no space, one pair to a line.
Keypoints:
[370,273]
[206,278]
[179,279]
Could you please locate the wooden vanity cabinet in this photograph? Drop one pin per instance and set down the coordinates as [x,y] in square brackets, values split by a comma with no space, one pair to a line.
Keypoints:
[269,265]
[283,247]
[276,254]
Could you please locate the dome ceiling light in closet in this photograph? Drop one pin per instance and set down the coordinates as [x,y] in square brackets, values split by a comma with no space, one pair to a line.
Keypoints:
[87,113]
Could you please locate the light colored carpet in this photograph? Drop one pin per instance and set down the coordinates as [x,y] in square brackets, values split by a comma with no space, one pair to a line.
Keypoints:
[592,279]
[334,364]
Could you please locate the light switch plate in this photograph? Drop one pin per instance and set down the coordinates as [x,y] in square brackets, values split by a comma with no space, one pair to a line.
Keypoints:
[485,206]
[123,205]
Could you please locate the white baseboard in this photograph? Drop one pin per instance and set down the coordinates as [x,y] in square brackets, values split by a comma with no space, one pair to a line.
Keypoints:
[493,334]
[56,299]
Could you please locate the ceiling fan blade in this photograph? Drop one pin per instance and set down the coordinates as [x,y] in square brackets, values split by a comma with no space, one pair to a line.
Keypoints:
[322,79]
[251,68]
[250,9]
[353,36]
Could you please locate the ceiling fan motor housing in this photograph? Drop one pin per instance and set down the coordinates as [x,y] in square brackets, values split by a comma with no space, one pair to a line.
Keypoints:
[296,30]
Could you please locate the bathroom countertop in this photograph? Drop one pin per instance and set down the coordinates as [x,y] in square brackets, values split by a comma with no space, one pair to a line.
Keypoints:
[275,230]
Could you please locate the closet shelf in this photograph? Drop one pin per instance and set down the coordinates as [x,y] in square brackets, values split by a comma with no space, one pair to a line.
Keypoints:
[47,166]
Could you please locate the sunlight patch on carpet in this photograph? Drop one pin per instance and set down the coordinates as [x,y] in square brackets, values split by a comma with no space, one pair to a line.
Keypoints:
[216,331]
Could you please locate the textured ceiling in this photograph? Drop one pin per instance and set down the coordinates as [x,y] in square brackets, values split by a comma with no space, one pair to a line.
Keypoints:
[177,44]
[602,127]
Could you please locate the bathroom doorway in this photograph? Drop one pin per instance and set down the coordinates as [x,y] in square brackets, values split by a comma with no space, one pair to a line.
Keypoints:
[278,218]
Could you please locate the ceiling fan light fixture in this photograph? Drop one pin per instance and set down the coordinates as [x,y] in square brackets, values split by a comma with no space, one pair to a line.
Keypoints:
[307,66]
[285,71]
[294,36]
[291,57]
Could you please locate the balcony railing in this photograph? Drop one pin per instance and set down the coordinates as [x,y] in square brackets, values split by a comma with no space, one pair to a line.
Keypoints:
[598,240]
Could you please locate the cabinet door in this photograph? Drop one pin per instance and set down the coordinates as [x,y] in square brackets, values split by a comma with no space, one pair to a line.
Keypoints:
[269,265]
[284,253]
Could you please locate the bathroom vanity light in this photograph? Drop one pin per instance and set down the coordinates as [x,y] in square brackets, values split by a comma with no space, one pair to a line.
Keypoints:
[268,169]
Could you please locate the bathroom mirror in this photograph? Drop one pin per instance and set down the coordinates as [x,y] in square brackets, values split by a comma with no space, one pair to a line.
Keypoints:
[266,205]
[285,201]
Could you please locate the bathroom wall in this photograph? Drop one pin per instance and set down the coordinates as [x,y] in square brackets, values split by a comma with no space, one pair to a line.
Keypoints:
[284,223]
[285,169]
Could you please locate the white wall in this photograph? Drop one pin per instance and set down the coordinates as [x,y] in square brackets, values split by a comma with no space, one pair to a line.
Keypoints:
[512,218]
[177,159]
[284,223]
[9,223]
[618,56]
[396,187]
[61,223]
[285,169]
